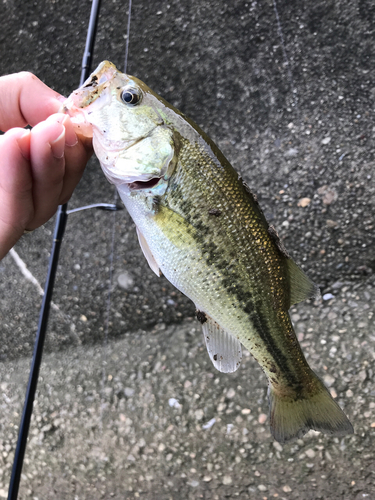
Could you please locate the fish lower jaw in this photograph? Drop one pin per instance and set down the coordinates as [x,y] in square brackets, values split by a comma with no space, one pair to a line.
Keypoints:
[77,116]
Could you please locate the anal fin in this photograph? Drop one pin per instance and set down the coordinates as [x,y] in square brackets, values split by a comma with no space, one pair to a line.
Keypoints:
[147,253]
[223,348]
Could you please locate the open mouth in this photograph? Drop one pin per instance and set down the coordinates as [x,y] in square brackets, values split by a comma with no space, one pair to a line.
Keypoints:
[137,185]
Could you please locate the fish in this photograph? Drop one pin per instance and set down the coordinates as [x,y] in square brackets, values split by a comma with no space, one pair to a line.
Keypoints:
[200,225]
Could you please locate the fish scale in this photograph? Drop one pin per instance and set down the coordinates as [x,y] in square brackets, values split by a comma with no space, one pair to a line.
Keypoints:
[238,239]
[200,225]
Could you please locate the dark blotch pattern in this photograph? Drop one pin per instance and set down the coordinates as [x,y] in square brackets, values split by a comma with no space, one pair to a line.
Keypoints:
[240,255]
[201,317]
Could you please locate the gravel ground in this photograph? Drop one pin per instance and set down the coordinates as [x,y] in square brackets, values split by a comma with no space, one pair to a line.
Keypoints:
[295,115]
[147,416]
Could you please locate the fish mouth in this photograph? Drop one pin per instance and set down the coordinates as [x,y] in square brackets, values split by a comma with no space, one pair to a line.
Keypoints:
[90,92]
[93,87]
[140,185]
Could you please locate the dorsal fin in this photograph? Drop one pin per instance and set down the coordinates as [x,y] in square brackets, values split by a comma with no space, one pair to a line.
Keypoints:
[224,349]
[301,286]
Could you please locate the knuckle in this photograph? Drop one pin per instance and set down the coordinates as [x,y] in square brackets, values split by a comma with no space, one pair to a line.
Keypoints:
[27,76]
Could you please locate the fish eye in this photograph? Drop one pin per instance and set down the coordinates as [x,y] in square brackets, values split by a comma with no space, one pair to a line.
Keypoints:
[131,95]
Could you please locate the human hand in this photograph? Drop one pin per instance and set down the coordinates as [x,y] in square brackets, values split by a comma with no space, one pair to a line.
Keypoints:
[39,168]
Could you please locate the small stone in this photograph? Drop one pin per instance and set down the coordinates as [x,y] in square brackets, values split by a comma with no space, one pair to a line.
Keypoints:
[349,393]
[331,223]
[199,414]
[329,194]
[337,285]
[207,479]
[193,483]
[125,281]
[287,489]
[173,403]
[291,152]
[129,392]
[333,392]
[329,380]
[326,140]
[262,418]
[362,375]
[83,318]
[277,446]
[221,407]
[227,480]
[231,393]
[245,411]
[328,296]
[310,453]
[304,202]
[329,197]
[261,487]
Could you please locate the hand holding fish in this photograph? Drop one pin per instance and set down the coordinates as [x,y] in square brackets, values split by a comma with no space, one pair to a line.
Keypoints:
[39,168]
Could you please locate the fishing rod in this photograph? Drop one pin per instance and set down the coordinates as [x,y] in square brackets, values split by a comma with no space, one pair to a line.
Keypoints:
[61,219]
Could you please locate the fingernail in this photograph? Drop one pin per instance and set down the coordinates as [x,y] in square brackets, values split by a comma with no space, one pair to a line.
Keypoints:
[71,138]
[58,145]
[24,144]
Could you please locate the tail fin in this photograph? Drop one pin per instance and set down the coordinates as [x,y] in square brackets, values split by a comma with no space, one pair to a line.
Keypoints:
[293,417]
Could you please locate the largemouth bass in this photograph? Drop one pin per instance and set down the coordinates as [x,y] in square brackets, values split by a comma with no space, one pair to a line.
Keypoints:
[200,225]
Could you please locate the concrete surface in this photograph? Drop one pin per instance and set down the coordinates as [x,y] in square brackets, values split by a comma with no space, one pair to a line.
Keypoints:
[296,119]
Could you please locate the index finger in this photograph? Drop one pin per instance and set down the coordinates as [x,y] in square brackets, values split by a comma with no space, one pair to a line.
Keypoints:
[25,100]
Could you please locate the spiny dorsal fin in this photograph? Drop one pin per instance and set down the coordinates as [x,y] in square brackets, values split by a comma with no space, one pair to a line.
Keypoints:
[301,286]
[224,349]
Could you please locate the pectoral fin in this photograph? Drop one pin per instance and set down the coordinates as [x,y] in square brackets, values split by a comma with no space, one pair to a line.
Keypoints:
[223,348]
[147,253]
